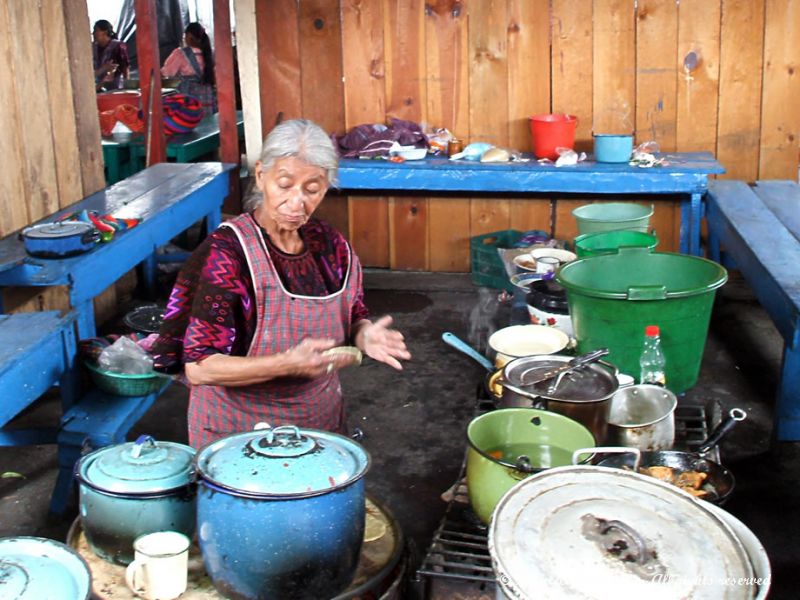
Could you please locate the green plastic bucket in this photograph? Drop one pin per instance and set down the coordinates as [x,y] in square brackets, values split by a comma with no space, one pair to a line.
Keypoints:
[608,216]
[608,242]
[613,297]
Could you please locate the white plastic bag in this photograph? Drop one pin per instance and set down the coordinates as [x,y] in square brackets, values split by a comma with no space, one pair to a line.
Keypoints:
[125,356]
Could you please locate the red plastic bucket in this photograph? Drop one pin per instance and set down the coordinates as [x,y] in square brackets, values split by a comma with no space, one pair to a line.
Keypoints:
[552,131]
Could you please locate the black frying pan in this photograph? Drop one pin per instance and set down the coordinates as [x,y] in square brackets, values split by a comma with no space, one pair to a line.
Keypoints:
[719,481]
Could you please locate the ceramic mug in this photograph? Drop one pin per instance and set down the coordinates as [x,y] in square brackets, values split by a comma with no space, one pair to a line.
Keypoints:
[160,567]
[547,264]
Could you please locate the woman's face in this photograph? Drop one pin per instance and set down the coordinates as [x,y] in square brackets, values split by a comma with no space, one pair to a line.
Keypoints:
[101,38]
[292,191]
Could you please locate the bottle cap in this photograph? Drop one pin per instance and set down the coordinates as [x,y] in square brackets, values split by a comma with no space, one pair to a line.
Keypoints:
[651,331]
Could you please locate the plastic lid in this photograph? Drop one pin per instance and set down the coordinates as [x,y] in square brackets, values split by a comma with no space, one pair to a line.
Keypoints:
[283,461]
[141,467]
[652,331]
[32,568]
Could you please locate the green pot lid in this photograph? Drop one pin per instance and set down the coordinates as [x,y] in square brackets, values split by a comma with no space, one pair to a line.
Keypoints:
[141,467]
[32,568]
[282,461]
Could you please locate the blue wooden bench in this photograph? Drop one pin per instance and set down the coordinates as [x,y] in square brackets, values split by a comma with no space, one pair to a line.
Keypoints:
[759,227]
[37,352]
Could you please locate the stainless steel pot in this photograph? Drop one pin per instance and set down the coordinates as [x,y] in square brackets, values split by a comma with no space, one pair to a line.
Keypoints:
[642,416]
[583,394]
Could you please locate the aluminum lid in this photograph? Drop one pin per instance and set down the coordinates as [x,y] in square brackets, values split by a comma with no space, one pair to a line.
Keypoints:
[594,533]
[141,467]
[589,384]
[283,461]
[32,568]
[57,230]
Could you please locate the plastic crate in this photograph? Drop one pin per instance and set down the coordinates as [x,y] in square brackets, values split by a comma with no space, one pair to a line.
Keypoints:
[487,266]
[121,384]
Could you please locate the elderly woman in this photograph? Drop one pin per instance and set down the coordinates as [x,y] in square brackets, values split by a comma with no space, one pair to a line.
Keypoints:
[262,299]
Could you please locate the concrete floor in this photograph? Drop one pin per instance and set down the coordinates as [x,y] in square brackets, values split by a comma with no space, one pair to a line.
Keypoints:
[415,421]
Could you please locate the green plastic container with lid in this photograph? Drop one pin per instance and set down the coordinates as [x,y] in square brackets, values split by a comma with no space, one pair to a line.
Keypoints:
[613,297]
[608,216]
[608,242]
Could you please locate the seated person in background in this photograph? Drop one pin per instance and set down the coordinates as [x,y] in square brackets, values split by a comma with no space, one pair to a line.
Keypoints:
[193,64]
[109,56]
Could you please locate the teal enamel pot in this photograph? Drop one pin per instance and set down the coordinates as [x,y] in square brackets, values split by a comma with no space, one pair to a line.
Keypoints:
[281,512]
[132,489]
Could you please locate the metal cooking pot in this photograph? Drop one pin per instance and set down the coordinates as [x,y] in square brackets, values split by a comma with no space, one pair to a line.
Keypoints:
[642,416]
[60,239]
[132,489]
[280,512]
[510,444]
[583,394]
[595,533]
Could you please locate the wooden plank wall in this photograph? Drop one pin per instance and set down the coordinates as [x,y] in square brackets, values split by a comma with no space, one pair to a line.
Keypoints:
[50,142]
[714,75]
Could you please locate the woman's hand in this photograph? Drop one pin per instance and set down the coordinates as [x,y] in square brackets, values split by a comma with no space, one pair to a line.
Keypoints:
[307,359]
[377,341]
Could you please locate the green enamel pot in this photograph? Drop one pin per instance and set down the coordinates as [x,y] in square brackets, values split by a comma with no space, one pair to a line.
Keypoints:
[510,444]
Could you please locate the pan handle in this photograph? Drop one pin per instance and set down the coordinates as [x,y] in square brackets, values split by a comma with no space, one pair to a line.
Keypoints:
[609,450]
[734,416]
[460,345]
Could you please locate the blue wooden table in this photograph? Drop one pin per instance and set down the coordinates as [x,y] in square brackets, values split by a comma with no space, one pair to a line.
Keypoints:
[168,197]
[759,228]
[686,174]
[124,153]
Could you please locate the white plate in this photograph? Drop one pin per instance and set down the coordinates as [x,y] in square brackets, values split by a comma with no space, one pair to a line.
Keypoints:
[562,256]
[411,154]
[526,340]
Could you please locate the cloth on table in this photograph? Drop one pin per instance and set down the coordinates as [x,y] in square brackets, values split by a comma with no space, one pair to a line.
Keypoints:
[375,140]
[182,114]
[127,114]
[107,225]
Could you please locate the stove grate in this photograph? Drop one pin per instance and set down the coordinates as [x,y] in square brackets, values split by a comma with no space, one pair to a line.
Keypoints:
[458,563]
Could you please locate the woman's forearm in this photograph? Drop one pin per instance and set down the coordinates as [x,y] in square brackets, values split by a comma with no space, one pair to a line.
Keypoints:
[234,371]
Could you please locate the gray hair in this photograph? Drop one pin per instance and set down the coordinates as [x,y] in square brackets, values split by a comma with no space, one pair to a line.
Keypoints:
[302,139]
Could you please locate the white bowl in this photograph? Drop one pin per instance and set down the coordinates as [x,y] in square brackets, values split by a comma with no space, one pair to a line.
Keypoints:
[524,280]
[562,256]
[525,262]
[411,153]
[561,322]
[526,340]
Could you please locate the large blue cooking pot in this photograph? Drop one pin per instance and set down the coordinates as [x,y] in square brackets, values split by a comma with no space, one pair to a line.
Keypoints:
[132,489]
[280,513]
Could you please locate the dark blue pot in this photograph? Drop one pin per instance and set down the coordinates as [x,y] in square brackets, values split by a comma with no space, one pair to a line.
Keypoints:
[289,549]
[281,515]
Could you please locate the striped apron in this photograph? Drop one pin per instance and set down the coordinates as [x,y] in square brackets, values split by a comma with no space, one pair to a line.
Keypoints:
[283,321]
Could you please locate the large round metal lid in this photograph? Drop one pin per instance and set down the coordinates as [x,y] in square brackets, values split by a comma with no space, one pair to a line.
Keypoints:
[589,383]
[282,461]
[60,229]
[141,467]
[593,533]
[32,568]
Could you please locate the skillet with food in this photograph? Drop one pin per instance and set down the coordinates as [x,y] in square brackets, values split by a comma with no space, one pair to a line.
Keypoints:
[691,471]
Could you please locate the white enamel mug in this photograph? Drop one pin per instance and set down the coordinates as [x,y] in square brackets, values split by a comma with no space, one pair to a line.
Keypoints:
[160,567]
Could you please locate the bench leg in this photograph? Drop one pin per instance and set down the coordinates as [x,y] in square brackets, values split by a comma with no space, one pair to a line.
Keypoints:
[68,456]
[787,409]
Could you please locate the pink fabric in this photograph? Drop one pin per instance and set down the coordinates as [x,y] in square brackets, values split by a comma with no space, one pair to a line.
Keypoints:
[178,65]
[284,320]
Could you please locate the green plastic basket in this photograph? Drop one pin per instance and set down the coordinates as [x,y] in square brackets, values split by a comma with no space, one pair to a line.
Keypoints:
[122,384]
[487,266]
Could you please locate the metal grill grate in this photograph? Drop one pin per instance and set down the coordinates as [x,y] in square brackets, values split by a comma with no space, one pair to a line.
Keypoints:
[458,564]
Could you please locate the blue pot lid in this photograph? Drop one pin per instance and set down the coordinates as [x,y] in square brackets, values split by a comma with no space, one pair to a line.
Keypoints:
[284,461]
[32,568]
[141,467]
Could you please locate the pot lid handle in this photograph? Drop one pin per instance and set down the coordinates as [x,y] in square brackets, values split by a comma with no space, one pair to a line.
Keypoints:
[282,442]
[138,445]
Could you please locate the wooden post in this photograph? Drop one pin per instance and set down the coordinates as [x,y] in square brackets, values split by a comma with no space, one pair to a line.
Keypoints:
[226,99]
[150,62]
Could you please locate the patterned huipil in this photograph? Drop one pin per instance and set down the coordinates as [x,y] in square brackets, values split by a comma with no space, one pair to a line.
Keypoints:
[283,320]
